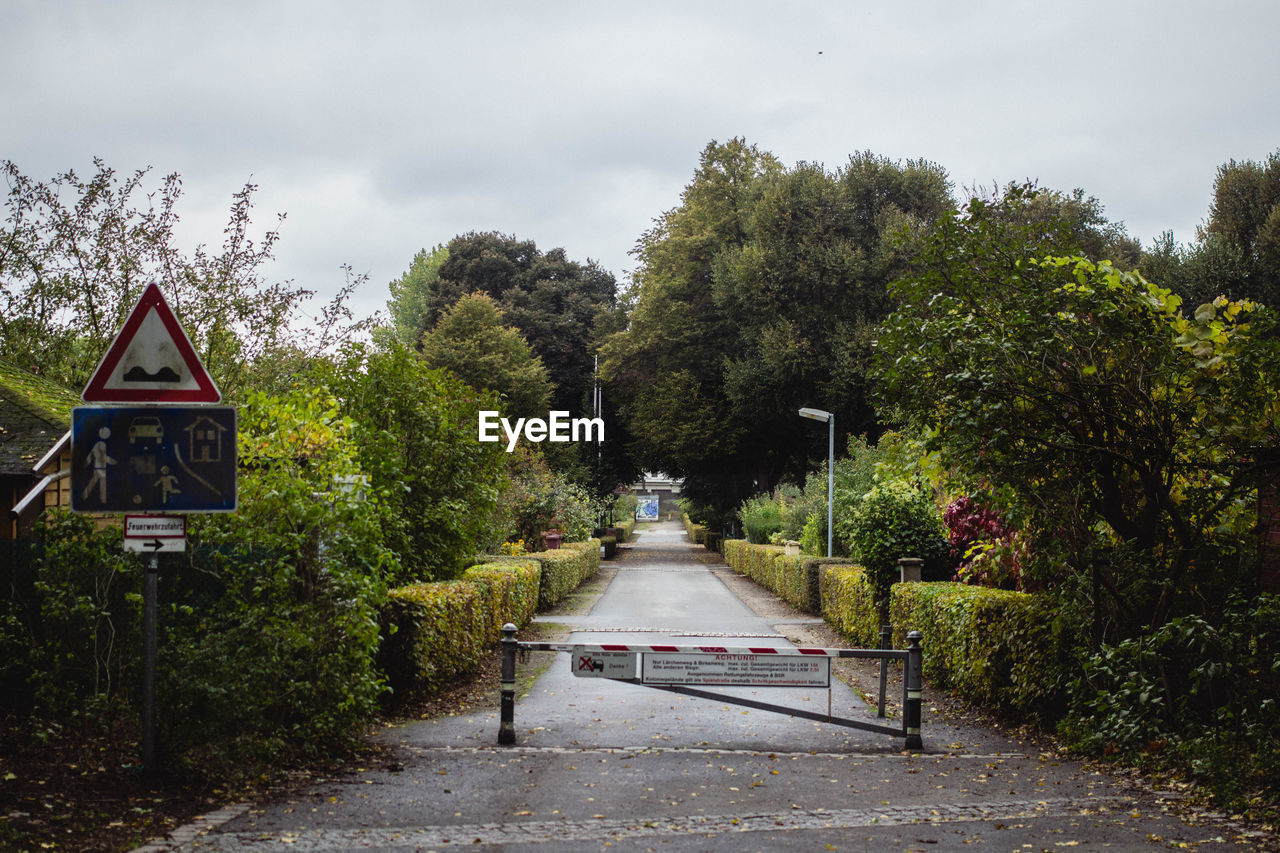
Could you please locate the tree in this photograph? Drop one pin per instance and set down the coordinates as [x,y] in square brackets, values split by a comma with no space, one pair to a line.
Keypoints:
[471,342]
[1120,434]
[758,296]
[75,255]
[1237,251]
[552,301]
[411,295]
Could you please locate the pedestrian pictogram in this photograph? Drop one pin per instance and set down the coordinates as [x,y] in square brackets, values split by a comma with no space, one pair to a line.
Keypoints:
[151,361]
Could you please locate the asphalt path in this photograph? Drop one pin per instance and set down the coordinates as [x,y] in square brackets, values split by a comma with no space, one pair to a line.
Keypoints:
[606,765]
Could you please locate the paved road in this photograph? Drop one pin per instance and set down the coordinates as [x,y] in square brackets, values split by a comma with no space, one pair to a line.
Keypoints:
[605,765]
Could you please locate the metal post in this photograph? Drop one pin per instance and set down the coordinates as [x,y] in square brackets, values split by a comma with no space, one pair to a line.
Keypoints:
[831,475]
[507,715]
[914,692]
[149,584]
[886,642]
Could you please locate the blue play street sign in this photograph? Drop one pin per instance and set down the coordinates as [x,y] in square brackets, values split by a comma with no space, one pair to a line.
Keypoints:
[162,459]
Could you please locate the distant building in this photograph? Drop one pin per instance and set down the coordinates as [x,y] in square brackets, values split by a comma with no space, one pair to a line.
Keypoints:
[35,444]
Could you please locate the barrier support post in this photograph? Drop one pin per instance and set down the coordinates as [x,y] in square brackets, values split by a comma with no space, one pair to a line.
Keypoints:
[886,642]
[507,726]
[914,692]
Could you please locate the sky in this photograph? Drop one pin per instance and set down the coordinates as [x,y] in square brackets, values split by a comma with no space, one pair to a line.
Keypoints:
[383,128]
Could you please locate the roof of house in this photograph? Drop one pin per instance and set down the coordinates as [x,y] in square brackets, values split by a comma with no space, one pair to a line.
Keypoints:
[34,414]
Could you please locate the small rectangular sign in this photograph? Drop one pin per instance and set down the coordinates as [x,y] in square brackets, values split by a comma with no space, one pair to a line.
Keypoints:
[597,664]
[155,526]
[734,669]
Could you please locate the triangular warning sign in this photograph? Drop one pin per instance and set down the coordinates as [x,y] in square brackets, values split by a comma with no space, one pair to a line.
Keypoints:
[151,361]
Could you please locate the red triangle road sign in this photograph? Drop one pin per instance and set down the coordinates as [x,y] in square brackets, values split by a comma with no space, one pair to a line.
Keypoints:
[151,360]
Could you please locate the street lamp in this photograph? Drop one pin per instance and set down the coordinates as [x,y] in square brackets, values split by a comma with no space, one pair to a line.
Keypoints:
[830,419]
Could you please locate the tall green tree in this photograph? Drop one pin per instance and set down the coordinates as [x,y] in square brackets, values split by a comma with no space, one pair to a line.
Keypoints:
[758,295]
[551,300]
[1237,251]
[411,295]
[471,342]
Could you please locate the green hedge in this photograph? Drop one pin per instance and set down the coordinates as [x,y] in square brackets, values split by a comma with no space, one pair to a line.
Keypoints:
[697,532]
[564,569]
[628,528]
[849,604]
[796,579]
[436,631]
[990,645]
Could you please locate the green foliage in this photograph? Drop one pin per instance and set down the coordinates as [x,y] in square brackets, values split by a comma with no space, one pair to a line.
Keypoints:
[1084,398]
[564,569]
[433,484]
[75,633]
[892,521]
[76,253]
[758,295]
[1210,690]
[795,578]
[849,604]
[761,517]
[471,342]
[411,293]
[537,499]
[433,632]
[277,661]
[813,538]
[1006,649]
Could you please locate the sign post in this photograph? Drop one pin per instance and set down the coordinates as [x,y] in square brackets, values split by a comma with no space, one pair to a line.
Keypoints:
[157,459]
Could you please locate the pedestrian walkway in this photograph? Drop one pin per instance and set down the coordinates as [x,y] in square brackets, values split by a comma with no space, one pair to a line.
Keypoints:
[609,765]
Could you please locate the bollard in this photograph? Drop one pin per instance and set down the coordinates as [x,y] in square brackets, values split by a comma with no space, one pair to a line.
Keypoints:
[507,726]
[914,692]
[886,642]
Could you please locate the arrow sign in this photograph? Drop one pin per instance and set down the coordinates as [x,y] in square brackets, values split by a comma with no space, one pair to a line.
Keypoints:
[151,534]
[151,360]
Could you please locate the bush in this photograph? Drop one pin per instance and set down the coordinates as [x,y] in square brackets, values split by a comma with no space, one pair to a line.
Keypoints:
[761,517]
[1006,649]
[1208,691]
[892,521]
[563,569]
[849,604]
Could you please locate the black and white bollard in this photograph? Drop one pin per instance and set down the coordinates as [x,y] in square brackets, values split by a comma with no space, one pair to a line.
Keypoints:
[507,726]
[914,691]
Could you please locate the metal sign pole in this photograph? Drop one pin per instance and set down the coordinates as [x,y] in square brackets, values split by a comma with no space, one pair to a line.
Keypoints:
[149,664]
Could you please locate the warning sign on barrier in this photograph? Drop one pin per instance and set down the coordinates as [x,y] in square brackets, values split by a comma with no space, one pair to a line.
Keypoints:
[736,670]
[589,663]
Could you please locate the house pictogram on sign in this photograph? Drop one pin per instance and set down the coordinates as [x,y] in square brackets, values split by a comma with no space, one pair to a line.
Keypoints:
[151,360]
[204,440]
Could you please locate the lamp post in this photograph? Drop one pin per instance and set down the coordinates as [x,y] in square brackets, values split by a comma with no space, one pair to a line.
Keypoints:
[830,419]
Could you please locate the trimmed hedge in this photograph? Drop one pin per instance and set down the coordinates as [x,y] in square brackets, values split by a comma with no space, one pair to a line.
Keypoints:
[990,645]
[564,569]
[849,605]
[697,532]
[436,631]
[628,528]
[797,579]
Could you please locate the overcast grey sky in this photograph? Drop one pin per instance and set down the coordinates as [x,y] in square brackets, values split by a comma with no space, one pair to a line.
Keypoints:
[381,128]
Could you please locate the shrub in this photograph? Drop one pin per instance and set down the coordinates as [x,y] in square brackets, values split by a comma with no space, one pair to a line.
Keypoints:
[892,521]
[1211,691]
[761,517]
[849,604]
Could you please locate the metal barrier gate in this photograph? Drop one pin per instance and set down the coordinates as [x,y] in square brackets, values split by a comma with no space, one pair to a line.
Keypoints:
[675,668]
